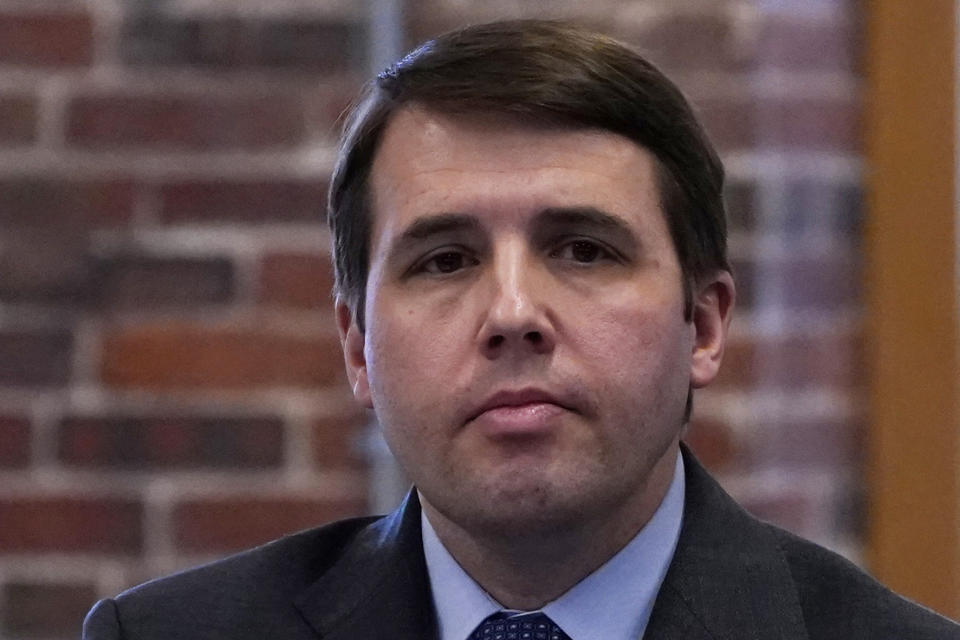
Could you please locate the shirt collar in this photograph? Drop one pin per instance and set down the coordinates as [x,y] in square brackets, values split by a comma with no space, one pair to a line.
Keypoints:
[459,602]
[615,601]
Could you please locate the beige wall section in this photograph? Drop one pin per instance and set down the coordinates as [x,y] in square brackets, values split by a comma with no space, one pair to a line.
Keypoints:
[914,536]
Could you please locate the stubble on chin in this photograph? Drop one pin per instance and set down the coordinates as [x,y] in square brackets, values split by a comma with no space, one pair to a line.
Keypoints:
[513,506]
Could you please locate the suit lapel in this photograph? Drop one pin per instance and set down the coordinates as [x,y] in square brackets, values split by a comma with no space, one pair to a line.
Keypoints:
[379,587]
[728,578]
[672,618]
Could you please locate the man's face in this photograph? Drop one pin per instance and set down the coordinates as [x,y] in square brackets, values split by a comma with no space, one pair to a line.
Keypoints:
[525,347]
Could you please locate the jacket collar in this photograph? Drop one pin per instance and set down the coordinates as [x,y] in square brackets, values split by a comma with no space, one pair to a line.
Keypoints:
[378,588]
[728,577]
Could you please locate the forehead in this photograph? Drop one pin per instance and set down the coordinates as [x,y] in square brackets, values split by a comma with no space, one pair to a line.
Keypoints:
[495,165]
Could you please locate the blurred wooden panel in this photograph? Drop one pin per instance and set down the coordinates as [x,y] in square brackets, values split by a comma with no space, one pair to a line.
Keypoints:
[914,536]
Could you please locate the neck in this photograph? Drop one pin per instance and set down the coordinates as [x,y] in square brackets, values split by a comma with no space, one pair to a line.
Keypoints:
[528,571]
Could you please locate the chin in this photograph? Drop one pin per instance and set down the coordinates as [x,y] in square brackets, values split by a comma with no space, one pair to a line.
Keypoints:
[534,506]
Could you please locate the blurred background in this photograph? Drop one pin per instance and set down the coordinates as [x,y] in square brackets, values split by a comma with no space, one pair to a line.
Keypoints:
[171,386]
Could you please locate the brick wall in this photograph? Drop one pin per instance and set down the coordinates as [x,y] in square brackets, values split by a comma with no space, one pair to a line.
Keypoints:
[170,383]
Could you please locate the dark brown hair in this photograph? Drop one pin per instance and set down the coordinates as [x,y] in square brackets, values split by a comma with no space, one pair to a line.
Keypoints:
[546,72]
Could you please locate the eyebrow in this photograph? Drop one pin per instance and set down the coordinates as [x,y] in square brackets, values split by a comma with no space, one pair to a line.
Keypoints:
[590,218]
[436,224]
[430,226]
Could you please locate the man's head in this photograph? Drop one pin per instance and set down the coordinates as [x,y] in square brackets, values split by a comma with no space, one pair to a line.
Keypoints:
[529,240]
[547,74]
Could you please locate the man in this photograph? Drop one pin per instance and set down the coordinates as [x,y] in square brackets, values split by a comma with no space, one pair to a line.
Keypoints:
[529,241]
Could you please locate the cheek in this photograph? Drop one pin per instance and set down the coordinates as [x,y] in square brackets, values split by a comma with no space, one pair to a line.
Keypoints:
[424,331]
[408,358]
[642,350]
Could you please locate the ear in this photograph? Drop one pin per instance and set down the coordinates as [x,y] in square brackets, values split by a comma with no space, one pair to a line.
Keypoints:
[352,340]
[712,309]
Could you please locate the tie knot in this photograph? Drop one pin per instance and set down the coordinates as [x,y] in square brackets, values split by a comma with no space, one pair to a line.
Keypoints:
[518,626]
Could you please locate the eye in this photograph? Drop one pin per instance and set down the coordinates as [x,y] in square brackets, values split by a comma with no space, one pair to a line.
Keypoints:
[582,251]
[447,261]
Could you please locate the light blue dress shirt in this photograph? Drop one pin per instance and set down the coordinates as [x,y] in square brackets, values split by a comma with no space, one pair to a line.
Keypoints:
[612,603]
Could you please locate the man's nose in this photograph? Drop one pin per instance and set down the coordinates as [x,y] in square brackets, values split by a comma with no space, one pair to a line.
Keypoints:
[519,319]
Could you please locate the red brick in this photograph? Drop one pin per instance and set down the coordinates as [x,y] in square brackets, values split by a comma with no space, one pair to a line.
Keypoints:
[740,198]
[46,265]
[805,46]
[744,273]
[46,39]
[829,361]
[336,441]
[202,121]
[66,205]
[426,19]
[181,356]
[171,443]
[821,124]
[219,525]
[236,202]
[815,442]
[132,281]
[14,441]
[738,365]
[714,443]
[35,358]
[791,510]
[817,207]
[315,45]
[688,42]
[329,101]
[730,124]
[18,119]
[296,280]
[44,610]
[70,524]
[817,283]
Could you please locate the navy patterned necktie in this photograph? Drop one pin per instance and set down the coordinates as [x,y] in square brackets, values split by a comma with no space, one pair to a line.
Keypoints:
[518,626]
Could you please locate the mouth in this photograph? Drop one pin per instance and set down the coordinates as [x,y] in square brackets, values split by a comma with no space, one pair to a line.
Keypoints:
[521,411]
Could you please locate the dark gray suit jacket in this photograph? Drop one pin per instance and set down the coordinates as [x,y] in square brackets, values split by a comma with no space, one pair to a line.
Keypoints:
[732,577]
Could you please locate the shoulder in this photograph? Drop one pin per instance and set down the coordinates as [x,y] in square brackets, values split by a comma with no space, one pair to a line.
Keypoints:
[839,600]
[750,579]
[252,591]
[283,566]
